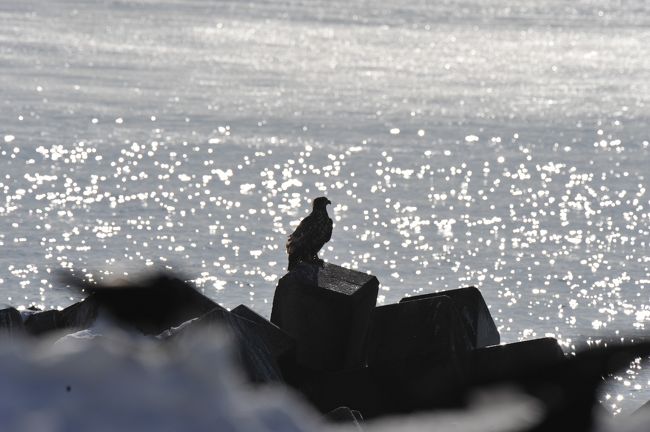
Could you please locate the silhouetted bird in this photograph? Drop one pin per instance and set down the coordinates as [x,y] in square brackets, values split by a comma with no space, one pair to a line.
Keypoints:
[309,237]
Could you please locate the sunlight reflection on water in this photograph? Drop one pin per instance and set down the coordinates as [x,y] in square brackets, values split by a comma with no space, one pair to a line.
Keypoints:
[519,168]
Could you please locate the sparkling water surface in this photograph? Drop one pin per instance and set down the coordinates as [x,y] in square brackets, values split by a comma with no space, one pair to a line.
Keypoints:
[501,146]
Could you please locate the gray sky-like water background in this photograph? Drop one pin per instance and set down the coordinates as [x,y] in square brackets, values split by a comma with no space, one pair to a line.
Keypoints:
[461,143]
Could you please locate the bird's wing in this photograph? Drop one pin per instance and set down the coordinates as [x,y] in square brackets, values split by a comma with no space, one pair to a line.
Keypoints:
[328,230]
[302,233]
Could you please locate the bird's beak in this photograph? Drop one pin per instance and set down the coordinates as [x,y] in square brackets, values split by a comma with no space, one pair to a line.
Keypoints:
[329,202]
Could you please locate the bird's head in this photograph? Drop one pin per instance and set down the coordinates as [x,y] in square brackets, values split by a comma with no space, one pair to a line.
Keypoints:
[320,203]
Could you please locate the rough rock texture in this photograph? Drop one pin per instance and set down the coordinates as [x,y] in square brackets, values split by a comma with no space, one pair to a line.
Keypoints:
[254,355]
[281,345]
[11,323]
[44,322]
[81,315]
[476,316]
[327,309]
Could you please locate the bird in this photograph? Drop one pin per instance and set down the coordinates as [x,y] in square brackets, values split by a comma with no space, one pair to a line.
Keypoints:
[311,234]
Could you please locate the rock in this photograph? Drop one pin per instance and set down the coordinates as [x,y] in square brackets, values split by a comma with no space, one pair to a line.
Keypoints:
[567,388]
[345,415]
[11,322]
[81,315]
[152,304]
[358,389]
[327,310]
[44,322]
[420,352]
[475,313]
[505,362]
[78,316]
[255,356]
[281,345]
[429,327]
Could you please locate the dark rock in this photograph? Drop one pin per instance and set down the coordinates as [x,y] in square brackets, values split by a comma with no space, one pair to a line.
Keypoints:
[475,313]
[253,353]
[567,389]
[503,362]
[420,351]
[44,322]
[152,304]
[281,345]
[78,316]
[81,315]
[429,328]
[327,310]
[359,389]
[11,322]
[345,415]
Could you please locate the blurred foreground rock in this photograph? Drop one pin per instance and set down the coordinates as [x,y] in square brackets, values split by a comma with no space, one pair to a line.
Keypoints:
[151,304]
[345,415]
[123,383]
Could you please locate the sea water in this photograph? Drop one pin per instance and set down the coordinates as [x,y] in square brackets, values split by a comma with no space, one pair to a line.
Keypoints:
[499,145]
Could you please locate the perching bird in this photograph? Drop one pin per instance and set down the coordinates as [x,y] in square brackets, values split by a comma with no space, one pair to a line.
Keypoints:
[313,232]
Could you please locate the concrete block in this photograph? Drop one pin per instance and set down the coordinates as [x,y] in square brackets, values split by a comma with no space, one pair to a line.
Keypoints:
[254,355]
[420,352]
[474,312]
[278,341]
[327,310]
